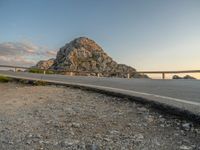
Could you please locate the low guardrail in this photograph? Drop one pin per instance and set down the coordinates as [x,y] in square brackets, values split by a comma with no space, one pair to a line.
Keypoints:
[71,72]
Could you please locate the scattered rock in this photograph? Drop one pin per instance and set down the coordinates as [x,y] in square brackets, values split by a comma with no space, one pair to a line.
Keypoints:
[114,132]
[187,126]
[69,142]
[29,142]
[76,125]
[150,119]
[162,120]
[138,137]
[92,147]
[106,139]
[162,125]
[142,109]
[184,147]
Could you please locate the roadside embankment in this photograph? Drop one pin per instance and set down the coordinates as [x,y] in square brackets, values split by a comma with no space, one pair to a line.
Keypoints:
[59,117]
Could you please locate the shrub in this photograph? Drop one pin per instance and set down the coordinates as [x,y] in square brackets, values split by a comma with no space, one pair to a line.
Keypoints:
[35,70]
[40,83]
[5,79]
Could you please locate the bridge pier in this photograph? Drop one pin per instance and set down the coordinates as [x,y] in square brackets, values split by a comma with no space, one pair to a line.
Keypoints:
[163,75]
[128,75]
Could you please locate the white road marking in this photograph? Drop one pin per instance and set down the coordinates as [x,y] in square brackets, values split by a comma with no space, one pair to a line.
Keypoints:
[108,88]
[146,94]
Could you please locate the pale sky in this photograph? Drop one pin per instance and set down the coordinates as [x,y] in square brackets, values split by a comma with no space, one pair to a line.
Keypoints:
[146,34]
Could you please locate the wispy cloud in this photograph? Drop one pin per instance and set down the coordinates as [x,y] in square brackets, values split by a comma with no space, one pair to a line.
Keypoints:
[16,60]
[17,48]
[23,53]
[51,53]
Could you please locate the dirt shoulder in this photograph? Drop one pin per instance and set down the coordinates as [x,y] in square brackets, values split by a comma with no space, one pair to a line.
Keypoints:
[56,117]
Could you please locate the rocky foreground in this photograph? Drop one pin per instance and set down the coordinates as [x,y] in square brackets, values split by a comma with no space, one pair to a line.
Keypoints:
[55,117]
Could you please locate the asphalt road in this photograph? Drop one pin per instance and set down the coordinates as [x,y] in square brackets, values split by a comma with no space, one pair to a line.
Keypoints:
[184,94]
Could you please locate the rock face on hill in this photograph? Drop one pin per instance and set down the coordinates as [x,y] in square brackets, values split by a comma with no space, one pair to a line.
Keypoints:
[84,55]
[45,64]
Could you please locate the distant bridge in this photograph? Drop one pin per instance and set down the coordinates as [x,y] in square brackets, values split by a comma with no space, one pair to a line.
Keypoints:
[168,72]
[163,73]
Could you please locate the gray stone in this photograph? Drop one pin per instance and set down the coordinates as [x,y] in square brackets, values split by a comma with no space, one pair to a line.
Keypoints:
[187,126]
[92,147]
[184,147]
[142,109]
[69,143]
[138,137]
[76,125]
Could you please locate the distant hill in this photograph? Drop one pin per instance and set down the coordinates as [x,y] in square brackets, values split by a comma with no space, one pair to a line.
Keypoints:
[185,77]
[83,54]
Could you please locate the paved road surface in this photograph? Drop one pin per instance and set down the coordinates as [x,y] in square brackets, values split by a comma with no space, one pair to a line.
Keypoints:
[184,94]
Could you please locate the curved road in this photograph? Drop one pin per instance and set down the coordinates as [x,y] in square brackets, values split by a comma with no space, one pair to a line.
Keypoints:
[184,94]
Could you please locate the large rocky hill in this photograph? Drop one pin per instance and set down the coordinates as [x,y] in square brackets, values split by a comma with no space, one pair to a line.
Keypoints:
[84,55]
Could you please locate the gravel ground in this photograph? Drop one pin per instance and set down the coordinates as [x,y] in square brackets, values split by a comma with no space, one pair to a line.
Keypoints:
[56,118]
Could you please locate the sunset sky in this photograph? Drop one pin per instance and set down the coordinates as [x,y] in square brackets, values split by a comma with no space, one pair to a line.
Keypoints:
[146,34]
